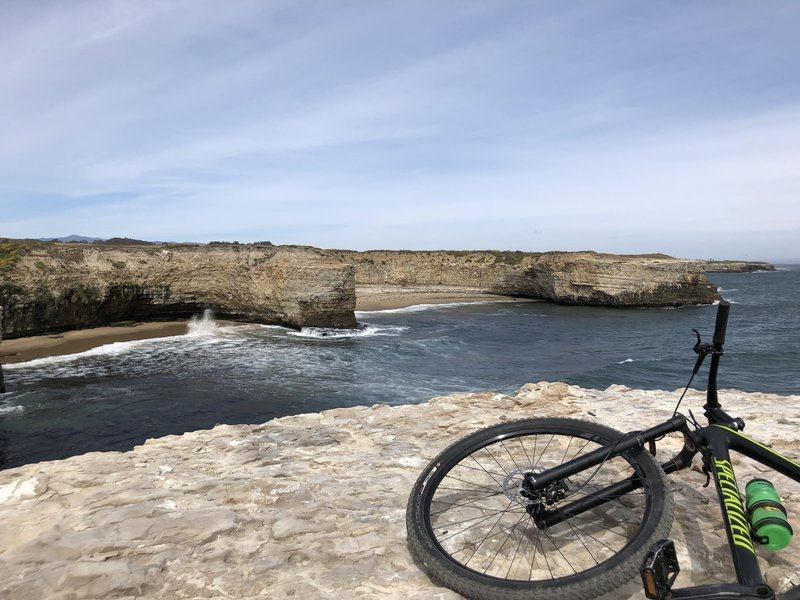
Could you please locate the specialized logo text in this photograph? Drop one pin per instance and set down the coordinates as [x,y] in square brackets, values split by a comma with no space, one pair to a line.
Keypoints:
[732,502]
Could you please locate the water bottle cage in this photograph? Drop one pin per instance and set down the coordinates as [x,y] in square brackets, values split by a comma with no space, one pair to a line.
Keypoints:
[769,521]
[768,504]
[765,504]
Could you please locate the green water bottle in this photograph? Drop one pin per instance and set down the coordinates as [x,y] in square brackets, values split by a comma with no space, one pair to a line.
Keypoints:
[767,515]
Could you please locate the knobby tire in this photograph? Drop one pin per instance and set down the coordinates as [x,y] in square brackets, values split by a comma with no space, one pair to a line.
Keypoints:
[470,529]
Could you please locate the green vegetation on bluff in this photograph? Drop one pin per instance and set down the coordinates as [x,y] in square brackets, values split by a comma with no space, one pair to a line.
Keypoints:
[9,255]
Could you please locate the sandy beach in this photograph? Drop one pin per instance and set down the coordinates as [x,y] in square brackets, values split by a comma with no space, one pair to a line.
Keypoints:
[71,342]
[369,298]
[386,297]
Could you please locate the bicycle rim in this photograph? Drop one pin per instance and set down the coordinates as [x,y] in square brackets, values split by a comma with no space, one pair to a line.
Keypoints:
[477,520]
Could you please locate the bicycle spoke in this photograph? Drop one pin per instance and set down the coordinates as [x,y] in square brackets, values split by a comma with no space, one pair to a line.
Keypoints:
[485,470]
[511,456]
[482,517]
[482,469]
[496,554]
[475,486]
[525,452]
[452,505]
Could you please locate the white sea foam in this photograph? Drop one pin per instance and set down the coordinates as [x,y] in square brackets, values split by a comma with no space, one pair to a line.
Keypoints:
[6,408]
[199,326]
[422,307]
[203,325]
[106,350]
[113,349]
[627,360]
[328,333]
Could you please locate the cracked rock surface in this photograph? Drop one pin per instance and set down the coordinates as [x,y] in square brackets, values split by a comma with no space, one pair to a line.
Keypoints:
[313,506]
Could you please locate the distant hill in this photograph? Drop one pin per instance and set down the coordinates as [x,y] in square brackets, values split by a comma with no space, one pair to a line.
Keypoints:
[82,239]
[72,239]
[123,241]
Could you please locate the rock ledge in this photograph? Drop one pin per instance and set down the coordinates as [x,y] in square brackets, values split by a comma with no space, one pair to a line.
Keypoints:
[313,506]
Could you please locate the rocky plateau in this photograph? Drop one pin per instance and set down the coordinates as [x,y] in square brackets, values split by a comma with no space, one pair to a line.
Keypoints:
[587,278]
[313,506]
[51,288]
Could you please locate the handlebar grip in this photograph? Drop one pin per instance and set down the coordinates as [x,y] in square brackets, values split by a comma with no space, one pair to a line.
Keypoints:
[722,323]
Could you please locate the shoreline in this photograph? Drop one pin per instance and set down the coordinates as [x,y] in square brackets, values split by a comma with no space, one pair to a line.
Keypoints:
[80,340]
[389,297]
[72,342]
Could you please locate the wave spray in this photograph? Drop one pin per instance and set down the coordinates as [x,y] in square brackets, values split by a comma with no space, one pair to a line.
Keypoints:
[202,324]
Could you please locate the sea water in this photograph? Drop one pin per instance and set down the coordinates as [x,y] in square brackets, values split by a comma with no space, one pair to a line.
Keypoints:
[116,396]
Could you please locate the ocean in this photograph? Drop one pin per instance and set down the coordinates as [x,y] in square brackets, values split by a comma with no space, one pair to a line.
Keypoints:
[116,396]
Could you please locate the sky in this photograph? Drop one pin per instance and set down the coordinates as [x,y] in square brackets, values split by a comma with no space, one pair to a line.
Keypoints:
[615,126]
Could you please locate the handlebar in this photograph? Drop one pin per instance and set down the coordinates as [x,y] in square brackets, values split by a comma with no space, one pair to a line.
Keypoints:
[722,324]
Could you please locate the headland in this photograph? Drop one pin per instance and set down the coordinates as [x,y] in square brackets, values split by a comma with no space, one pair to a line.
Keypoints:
[52,288]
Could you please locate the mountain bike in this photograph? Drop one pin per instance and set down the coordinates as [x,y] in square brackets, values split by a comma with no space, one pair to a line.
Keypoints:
[563,509]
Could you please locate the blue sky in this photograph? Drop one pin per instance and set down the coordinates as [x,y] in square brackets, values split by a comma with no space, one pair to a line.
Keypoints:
[604,125]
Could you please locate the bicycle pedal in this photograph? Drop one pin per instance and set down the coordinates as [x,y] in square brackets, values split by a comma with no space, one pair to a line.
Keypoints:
[659,569]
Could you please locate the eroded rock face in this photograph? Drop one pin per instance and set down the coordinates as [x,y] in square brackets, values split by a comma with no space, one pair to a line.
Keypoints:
[564,277]
[613,280]
[736,266]
[63,287]
[57,288]
[2,378]
[313,506]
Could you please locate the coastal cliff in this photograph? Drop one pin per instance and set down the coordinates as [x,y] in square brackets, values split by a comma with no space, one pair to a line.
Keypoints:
[2,378]
[313,506]
[736,266]
[565,277]
[54,288]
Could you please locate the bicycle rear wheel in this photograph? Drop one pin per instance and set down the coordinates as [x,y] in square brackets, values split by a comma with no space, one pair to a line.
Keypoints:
[471,529]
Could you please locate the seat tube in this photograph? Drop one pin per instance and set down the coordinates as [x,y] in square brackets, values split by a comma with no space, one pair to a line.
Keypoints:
[734,513]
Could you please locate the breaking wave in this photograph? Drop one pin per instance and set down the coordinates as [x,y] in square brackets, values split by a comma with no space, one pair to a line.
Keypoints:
[6,408]
[421,307]
[204,324]
[329,333]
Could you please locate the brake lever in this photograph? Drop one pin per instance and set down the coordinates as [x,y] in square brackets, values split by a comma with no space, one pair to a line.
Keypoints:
[698,345]
[701,350]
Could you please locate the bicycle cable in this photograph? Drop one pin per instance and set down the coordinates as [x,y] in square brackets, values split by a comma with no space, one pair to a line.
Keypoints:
[686,389]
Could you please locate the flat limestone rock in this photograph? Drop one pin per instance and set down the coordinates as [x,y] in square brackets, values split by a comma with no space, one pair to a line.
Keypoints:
[313,506]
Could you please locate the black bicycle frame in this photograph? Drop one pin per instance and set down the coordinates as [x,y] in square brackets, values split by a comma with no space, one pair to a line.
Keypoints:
[714,442]
[719,441]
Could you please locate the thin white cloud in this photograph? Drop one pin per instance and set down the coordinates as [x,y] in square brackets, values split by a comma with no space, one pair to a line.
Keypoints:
[364,123]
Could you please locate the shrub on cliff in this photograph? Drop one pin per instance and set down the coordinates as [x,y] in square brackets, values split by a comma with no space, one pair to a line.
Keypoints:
[9,255]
